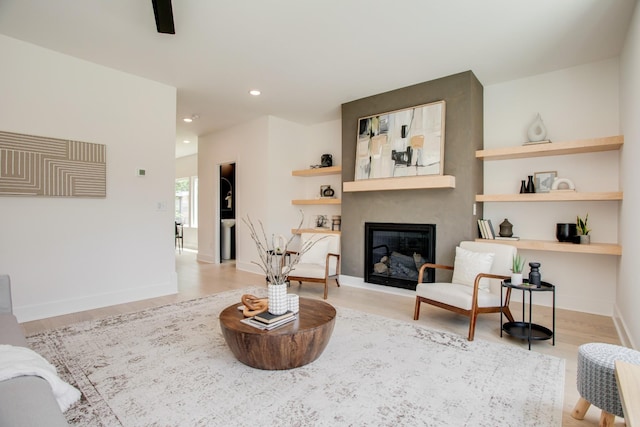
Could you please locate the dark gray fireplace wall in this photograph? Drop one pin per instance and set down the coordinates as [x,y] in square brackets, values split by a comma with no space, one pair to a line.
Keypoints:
[450,209]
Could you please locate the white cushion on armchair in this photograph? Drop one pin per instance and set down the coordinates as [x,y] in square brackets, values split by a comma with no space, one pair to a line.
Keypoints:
[312,262]
[468,264]
[491,258]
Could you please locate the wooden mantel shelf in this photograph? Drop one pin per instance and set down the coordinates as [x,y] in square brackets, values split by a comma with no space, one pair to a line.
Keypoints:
[555,246]
[553,148]
[401,183]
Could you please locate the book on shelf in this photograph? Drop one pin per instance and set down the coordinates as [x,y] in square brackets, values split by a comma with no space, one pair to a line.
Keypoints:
[268,318]
[486,229]
[267,327]
[492,233]
[507,238]
[483,233]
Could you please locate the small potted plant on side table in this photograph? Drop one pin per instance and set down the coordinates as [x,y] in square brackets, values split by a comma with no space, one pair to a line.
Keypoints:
[516,268]
[583,230]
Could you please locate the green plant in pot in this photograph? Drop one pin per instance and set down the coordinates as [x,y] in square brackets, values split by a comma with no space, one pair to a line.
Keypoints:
[516,267]
[583,229]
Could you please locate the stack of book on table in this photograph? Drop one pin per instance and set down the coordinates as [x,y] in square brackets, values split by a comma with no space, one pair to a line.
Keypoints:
[268,321]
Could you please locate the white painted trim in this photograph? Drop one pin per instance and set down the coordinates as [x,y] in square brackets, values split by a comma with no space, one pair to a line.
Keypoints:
[622,329]
[28,313]
[358,282]
[208,258]
[248,266]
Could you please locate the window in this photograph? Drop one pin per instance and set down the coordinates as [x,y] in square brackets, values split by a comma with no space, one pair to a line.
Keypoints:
[187,201]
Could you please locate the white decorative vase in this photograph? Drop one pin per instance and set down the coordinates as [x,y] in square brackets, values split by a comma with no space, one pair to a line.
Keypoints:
[516,279]
[537,131]
[278,302]
[293,302]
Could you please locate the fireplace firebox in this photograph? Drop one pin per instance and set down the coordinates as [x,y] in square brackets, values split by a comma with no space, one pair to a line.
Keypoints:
[394,253]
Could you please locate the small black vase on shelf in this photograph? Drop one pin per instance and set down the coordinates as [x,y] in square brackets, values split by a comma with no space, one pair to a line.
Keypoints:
[565,232]
[523,187]
[534,274]
[530,188]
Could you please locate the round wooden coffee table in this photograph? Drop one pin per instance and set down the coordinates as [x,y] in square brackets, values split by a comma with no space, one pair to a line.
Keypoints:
[292,345]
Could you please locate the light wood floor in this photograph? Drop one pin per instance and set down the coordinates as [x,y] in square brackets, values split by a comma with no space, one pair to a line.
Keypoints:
[199,279]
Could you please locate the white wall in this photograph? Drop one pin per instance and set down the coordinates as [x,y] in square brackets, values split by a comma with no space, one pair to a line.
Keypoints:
[265,151]
[323,138]
[627,315]
[292,147]
[187,167]
[70,254]
[246,145]
[575,103]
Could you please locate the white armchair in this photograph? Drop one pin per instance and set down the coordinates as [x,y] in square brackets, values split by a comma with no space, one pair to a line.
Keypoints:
[478,271]
[320,263]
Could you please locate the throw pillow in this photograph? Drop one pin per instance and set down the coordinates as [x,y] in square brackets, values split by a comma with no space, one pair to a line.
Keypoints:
[317,254]
[469,264]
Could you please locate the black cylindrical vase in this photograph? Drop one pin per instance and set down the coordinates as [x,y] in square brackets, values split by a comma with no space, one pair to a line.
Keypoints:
[531,188]
[565,232]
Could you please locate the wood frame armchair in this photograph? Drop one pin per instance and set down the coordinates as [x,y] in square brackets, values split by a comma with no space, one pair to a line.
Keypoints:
[469,300]
[320,264]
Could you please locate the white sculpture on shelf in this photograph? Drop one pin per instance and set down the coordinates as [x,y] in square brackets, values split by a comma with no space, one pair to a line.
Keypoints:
[537,131]
[563,184]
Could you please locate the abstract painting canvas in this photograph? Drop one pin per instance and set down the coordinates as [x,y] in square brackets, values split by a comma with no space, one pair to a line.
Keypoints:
[401,143]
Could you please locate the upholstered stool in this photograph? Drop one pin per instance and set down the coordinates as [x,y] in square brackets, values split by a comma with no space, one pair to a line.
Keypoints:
[597,380]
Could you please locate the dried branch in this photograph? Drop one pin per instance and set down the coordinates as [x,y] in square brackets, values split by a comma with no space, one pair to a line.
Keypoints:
[271,256]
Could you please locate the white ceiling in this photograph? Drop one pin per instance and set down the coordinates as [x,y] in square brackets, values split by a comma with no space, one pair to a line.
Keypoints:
[310,56]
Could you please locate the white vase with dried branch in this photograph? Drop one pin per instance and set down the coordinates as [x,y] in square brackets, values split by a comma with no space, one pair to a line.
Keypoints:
[272,253]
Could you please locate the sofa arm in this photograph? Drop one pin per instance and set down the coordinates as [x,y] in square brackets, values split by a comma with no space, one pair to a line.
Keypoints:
[5,294]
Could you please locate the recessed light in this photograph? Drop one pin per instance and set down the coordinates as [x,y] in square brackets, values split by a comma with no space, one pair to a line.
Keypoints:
[190,119]
[254,92]
[186,141]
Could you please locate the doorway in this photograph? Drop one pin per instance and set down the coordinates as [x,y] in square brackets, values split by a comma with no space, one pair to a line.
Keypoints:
[227,203]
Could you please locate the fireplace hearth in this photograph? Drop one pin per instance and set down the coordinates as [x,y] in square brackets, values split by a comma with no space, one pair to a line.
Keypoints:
[394,253]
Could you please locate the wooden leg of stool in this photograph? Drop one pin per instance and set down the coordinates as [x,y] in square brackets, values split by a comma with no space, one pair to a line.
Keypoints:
[607,419]
[580,409]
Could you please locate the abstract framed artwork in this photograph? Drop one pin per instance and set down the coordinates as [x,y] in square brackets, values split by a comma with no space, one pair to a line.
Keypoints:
[51,167]
[544,180]
[408,142]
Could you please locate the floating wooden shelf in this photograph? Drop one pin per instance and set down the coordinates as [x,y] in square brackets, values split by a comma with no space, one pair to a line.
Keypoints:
[559,196]
[322,201]
[331,170]
[401,183]
[553,148]
[554,246]
[313,230]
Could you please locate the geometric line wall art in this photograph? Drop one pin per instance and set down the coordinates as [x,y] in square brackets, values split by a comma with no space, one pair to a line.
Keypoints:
[51,167]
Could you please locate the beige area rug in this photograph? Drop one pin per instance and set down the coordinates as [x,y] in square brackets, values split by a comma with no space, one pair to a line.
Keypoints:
[170,366]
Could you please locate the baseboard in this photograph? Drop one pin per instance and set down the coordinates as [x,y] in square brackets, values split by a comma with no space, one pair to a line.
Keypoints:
[208,258]
[28,313]
[358,282]
[249,267]
[621,328]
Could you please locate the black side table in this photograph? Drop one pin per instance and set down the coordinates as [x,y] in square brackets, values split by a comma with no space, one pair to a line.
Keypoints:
[527,329]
